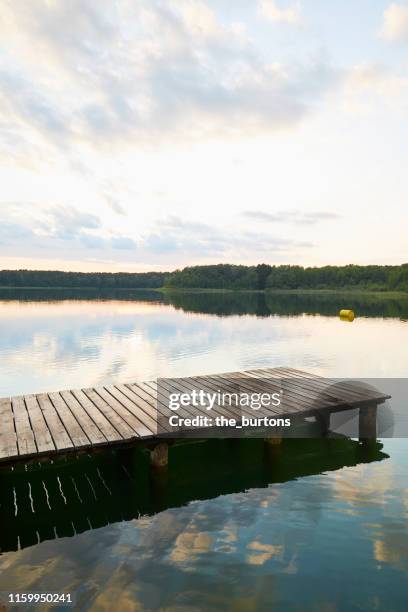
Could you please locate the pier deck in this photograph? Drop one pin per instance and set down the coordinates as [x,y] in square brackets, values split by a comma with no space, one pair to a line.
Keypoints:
[52,423]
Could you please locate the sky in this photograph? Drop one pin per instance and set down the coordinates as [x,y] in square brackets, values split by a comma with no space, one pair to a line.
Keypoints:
[157,134]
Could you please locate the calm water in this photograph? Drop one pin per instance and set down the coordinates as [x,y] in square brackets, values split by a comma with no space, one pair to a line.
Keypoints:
[320,526]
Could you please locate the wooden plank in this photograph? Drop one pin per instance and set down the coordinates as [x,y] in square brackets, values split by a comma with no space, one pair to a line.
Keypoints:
[341,391]
[127,410]
[143,405]
[42,434]
[160,400]
[186,385]
[317,388]
[214,383]
[58,432]
[163,400]
[292,405]
[149,391]
[300,399]
[306,397]
[8,439]
[25,436]
[348,386]
[100,420]
[121,426]
[75,432]
[146,395]
[94,434]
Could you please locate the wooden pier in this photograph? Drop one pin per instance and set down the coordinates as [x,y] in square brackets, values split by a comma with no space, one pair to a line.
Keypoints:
[61,422]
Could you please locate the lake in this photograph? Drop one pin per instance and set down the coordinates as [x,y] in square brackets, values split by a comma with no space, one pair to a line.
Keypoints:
[322,526]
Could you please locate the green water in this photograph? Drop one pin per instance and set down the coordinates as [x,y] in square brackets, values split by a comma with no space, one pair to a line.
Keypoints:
[316,525]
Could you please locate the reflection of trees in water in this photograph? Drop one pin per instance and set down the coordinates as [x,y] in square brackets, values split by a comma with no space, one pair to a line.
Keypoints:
[231,303]
[288,304]
[57,295]
[65,497]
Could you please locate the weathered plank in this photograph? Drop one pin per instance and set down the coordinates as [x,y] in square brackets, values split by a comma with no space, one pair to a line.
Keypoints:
[42,434]
[128,411]
[94,434]
[75,432]
[58,432]
[100,420]
[334,390]
[8,438]
[125,430]
[25,436]
[150,412]
[291,404]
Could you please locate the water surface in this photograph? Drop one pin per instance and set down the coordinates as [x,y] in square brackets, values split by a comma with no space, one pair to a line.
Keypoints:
[322,526]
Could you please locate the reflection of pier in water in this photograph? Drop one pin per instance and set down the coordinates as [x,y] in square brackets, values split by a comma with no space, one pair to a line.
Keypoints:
[61,498]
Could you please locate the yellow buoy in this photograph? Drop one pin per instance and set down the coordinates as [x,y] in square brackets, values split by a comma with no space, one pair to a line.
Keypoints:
[346,315]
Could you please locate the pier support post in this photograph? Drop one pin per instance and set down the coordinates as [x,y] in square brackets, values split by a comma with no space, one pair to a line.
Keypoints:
[368,423]
[159,456]
[273,441]
[272,457]
[272,448]
[323,418]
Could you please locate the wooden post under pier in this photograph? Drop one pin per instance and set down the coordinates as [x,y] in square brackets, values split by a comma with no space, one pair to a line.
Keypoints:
[159,456]
[368,423]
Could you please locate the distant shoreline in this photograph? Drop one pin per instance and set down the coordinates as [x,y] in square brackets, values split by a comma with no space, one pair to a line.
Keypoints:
[347,290]
[169,290]
[79,288]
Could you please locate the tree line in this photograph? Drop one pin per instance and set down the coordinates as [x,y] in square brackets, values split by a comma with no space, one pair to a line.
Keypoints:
[87,280]
[266,277]
[221,276]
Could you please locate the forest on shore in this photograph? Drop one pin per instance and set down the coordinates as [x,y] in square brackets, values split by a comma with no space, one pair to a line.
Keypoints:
[262,277]
[86,280]
[266,277]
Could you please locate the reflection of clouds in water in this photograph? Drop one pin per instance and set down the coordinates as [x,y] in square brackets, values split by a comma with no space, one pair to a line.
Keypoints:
[71,344]
[262,552]
[392,549]
[363,486]
[362,491]
[240,549]
[83,343]
[188,546]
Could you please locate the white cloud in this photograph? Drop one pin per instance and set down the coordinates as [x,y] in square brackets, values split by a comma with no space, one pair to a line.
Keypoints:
[395,26]
[368,88]
[171,241]
[64,229]
[186,239]
[143,72]
[296,217]
[271,10]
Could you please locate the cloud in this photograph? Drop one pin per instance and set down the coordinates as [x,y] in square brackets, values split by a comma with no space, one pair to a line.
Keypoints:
[385,88]
[66,222]
[271,10]
[294,216]
[9,232]
[61,232]
[23,101]
[395,25]
[57,229]
[115,205]
[192,239]
[130,73]
[123,243]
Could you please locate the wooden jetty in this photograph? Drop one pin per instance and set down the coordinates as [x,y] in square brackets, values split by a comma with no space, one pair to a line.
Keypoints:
[47,424]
